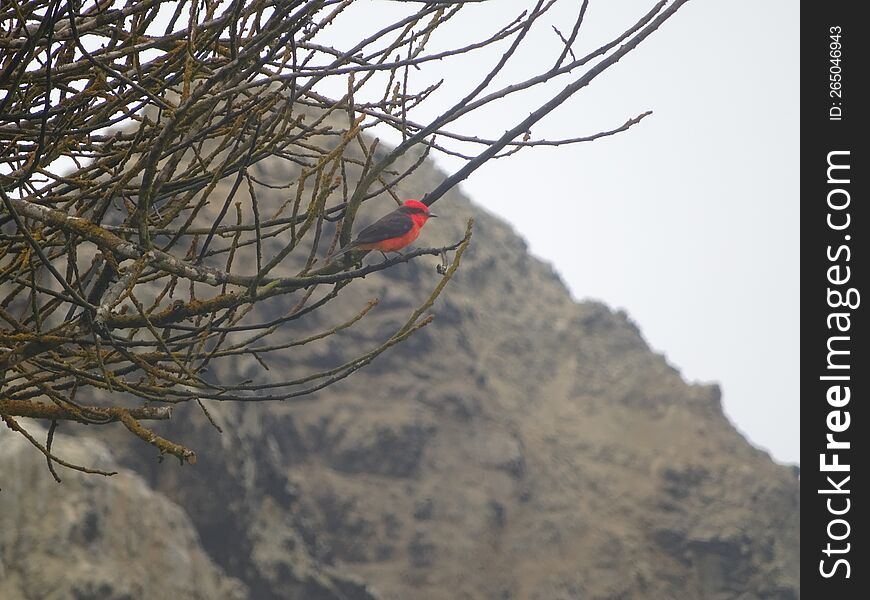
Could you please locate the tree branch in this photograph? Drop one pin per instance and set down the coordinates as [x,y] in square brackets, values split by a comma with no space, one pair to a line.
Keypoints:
[52,412]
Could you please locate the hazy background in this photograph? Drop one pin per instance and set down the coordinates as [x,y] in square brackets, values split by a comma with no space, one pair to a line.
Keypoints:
[689,221]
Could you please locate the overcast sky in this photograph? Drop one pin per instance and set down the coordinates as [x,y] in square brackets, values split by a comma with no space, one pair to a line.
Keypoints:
[689,221]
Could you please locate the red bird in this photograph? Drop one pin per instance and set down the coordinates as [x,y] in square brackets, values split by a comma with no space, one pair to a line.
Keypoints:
[391,232]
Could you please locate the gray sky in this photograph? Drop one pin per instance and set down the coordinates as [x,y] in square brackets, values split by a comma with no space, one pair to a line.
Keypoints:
[689,221]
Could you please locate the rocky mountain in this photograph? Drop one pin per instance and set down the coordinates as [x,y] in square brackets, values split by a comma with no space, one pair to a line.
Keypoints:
[95,537]
[522,446]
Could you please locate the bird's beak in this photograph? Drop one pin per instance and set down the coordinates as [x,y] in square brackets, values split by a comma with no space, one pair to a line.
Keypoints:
[431,215]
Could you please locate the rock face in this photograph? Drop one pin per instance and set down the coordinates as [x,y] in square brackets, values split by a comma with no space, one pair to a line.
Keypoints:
[522,446]
[95,537]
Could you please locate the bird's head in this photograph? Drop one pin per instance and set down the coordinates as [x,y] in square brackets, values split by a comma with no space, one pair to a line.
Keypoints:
[417,210]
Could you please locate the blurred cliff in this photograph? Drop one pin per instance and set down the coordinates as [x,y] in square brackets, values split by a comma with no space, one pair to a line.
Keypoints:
[522,446]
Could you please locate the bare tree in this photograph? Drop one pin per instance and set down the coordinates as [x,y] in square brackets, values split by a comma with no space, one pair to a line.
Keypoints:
[118,122]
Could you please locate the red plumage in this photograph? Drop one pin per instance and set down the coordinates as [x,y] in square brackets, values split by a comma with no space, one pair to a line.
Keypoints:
[392,232]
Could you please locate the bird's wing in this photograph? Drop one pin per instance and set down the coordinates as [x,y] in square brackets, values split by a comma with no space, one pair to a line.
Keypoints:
[388,227]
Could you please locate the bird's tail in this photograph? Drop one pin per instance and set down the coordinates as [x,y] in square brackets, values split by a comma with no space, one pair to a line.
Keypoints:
[340,253]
